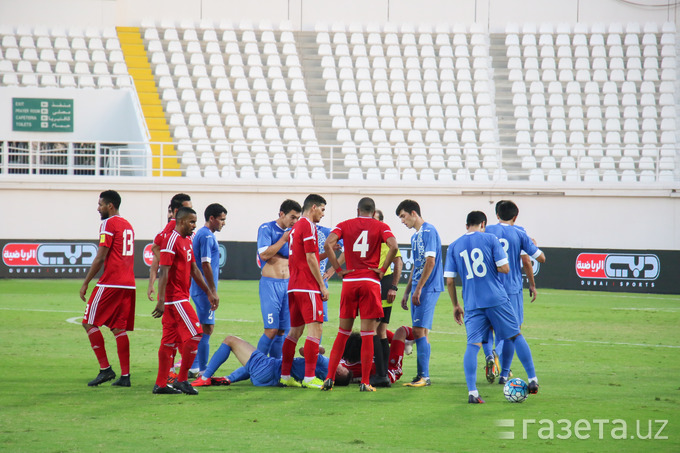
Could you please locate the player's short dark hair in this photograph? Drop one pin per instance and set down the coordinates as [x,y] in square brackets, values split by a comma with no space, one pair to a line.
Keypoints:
[408,206]
[290,205]
[342,380]
[183,212]
[352,352]
[507,210]
[381,216]
[475,218]
[111,196]
[311,200]
[366,205]
[498,205]
[177,201]
[214,210]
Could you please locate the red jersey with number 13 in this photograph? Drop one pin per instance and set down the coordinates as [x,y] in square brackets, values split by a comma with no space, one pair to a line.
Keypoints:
[363,237]
[117,235]
[302,240]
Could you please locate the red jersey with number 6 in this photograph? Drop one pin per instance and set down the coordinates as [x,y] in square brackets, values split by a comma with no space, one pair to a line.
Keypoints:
[177,252]
[363,237]
[302,240]
[117,235]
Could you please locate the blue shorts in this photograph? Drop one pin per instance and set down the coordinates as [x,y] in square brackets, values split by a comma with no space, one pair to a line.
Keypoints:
[325,311]
[205,314]
[274,303]
[423,314]
[501,317]
[264,371]
[517,302]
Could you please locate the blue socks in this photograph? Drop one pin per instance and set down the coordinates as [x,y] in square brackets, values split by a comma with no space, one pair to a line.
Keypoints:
[519,345]
[499,349]
[423,353]
[264,345]
[524,355]
[488,346]
[470,366]
[219,357]
[203,352]
[277,346]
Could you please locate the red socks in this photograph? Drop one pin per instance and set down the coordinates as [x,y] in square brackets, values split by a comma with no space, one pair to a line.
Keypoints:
[366,355]
[165,355]
[311,356]
[287,355]
[337,351]
[189,350]
[97,343]
[123,345]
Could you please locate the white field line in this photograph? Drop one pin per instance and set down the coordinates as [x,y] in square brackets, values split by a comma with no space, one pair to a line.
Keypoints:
[603,343]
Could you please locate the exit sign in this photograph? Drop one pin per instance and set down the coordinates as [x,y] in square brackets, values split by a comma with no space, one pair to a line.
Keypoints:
[42,115]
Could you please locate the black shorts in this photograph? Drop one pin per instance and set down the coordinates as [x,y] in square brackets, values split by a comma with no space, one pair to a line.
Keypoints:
[387,312]
[385,285]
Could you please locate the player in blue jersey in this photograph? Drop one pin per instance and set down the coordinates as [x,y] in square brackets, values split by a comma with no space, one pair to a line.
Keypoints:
[322,233]
[272,257]
[519,247]
[479,258]
[424,284]
[263,371]
[207,252]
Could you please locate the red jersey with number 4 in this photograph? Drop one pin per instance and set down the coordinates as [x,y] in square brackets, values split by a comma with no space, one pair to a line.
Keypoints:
[178,253]
[117,235]
[363,237]
[302,240]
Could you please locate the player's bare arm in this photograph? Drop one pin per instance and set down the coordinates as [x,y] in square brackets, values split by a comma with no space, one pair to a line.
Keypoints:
[208,275]
[331,271]
[275,247]
[329,246]
[458,312]
[396,274]
[427,270]
[153,270]
[162,283]
[529,272]
[504,269]
[407,291]
[200,281]
[393,249]
[97,264]
[316,272]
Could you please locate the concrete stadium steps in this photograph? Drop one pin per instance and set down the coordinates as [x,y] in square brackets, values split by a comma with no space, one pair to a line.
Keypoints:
[164,160]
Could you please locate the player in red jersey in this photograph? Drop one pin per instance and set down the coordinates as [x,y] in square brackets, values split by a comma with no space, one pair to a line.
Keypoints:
[178,266]
[363,237]
[112,303]
[306,293]
[178,201]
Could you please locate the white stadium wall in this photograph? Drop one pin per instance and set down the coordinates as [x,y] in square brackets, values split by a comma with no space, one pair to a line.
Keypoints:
[494,14]
[647,220]
[99,115]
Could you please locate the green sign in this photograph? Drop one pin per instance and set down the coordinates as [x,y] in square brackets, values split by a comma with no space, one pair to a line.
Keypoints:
[42,115]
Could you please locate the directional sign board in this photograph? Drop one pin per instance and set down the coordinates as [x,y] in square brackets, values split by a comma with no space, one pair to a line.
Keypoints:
[42,115]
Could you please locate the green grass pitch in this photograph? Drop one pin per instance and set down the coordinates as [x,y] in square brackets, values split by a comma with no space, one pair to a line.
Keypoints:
[604,361]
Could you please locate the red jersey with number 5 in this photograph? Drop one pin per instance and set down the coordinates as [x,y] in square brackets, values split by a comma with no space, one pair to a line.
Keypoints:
[117,235]
[363,237]
[302,240]
[177,252]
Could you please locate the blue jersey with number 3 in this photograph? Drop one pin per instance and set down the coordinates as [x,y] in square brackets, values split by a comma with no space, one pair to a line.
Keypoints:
[475,257]
[514,240]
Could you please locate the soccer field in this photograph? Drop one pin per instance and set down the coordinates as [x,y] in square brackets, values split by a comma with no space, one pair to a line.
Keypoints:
[608,365]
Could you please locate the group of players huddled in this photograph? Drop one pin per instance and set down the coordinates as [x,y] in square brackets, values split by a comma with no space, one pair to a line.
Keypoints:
[293,252]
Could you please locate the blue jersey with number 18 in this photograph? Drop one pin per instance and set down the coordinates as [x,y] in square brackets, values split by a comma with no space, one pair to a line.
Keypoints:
[475,256]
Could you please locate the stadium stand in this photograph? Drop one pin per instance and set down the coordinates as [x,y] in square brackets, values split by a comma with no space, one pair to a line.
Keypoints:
[555,104]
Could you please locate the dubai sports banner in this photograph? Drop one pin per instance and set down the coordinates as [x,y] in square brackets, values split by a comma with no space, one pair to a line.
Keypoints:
[648,271]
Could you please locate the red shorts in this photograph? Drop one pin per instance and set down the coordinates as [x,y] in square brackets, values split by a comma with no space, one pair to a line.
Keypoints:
[111,307]
[360,298]
[305,308]
[180,322]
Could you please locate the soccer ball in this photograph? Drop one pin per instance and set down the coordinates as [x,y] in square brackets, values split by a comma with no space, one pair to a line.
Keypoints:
[516,390]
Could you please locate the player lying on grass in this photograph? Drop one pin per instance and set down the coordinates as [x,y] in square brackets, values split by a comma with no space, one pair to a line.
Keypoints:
[263,371]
